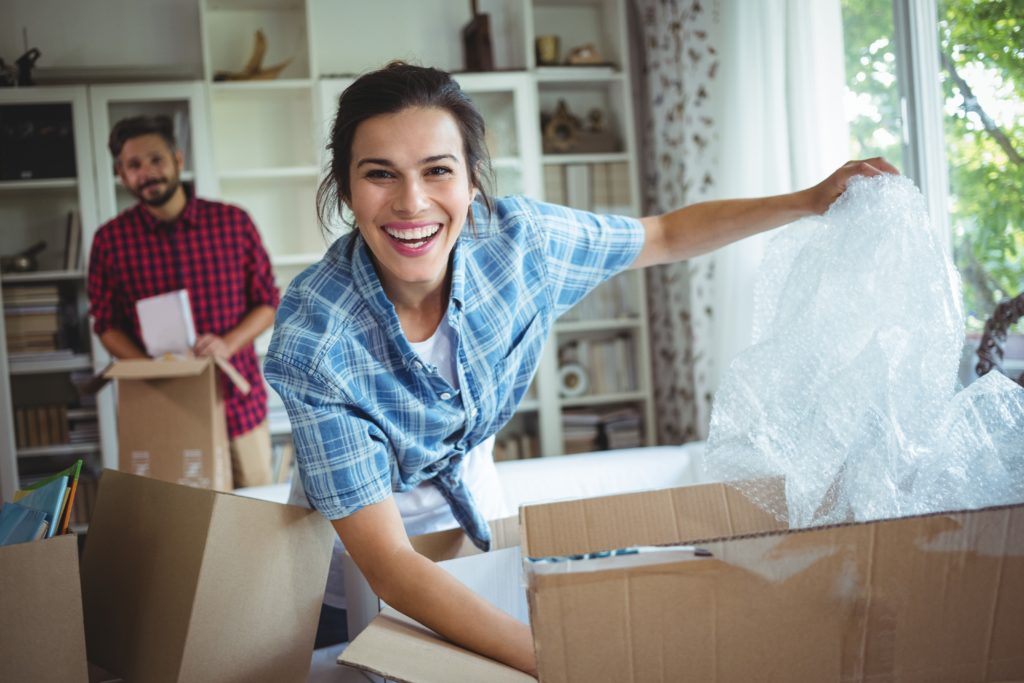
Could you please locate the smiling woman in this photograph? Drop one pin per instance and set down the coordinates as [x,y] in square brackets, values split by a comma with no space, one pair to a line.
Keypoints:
[404,351]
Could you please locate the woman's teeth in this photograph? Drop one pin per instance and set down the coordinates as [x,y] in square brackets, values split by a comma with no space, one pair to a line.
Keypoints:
[414,237]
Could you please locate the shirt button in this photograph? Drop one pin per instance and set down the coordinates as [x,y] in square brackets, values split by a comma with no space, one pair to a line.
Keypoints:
[445,396]
[418,365]
[472,412]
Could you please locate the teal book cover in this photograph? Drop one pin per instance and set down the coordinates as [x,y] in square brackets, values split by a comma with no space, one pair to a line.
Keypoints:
[49,499]
[19,524]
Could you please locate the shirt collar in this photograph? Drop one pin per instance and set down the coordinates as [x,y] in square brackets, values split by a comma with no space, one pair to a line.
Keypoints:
[367,282]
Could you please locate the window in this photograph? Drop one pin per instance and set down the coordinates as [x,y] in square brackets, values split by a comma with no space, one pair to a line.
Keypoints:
[970,166]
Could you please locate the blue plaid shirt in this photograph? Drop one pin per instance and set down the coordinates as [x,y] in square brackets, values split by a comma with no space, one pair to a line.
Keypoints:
[368,417]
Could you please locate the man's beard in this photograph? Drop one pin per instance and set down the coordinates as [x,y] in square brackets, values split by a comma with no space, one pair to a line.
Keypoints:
[162,198]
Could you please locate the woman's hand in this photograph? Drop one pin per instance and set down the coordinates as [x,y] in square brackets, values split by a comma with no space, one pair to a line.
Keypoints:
[827,191]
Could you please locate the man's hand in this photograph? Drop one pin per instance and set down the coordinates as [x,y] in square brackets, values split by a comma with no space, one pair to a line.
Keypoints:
[212,345]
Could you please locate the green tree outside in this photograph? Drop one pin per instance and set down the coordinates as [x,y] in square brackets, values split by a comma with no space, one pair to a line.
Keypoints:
[982,60]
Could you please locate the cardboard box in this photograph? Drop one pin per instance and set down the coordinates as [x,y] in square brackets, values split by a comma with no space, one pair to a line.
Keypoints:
[187,584]
[931,598]
[41,638]
[171,421]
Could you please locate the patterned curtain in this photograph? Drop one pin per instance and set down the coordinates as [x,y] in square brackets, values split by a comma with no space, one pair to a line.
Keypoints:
[675,63]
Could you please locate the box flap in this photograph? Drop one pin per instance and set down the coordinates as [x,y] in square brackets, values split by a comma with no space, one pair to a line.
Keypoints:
[41,603]
[451,543]
[149,368]
[189,584]
[667,516]
[234,375]
[400,649]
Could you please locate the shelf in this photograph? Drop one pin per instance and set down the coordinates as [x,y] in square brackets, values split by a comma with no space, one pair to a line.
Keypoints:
[506,162]
[296,259]
[571,326]
[43,276]
[608,158]
[529,404]
[58,450]
[575,74]
[43,184]
[38,367]
[603,399]
[270,173]
[262,86]
[251,5]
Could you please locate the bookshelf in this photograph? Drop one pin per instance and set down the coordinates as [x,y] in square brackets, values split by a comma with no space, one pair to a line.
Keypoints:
[45,421]
[259,144]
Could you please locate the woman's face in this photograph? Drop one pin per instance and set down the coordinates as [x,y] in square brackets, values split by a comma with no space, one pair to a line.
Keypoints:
[410,192]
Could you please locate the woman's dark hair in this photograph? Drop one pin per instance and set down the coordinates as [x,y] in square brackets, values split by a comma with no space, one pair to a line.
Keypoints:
[390,90]
[136,126]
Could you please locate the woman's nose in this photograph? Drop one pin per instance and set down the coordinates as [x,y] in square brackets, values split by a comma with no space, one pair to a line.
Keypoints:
[411,198]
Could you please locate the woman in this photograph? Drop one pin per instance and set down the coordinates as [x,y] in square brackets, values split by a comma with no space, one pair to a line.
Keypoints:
[411,343]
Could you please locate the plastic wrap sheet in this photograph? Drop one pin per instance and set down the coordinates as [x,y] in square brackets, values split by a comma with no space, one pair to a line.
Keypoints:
[850,388]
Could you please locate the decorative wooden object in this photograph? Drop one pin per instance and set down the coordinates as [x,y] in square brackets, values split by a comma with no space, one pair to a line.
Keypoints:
[253,70]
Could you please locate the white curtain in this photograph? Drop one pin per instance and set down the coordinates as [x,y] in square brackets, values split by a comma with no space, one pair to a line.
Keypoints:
[782,128]
[736,98]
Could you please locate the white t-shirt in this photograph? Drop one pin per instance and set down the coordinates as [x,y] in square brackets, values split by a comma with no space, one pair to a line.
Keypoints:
[424,509]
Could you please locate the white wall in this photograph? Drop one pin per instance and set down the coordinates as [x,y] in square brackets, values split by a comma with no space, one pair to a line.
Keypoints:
[115,37]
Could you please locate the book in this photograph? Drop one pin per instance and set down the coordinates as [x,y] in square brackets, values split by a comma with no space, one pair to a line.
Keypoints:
[166,323]
[70,476]
[19,524]
[73,242]
[47,497]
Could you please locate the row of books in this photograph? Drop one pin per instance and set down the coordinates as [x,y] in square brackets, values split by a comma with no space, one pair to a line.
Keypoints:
[518,446]
[53,425]
[591,430]
[611,300]
[609,365]
[42,509]
[32,318]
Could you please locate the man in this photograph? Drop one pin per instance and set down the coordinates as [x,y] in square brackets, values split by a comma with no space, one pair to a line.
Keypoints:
[173,240]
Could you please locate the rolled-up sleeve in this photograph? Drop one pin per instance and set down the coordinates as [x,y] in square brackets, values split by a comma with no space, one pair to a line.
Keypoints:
[101,286]
[584,249]
[342,456]
[261,289]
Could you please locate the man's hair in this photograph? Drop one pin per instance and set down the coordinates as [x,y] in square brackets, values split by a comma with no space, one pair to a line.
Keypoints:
[136,126]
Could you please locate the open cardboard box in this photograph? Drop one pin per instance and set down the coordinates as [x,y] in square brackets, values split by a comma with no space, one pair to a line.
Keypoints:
[931,598]
[188,584]
[42,638]
[171,422]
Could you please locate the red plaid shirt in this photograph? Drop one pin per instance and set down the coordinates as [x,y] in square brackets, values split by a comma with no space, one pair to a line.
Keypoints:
[214,251]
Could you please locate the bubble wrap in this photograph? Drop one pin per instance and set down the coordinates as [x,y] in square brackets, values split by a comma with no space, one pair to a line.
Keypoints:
[850,388]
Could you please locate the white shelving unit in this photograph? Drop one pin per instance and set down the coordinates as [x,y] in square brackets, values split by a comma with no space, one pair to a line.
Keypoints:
[33,209]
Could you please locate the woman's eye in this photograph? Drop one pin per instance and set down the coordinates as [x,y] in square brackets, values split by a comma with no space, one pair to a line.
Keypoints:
[439,170]
[377,173]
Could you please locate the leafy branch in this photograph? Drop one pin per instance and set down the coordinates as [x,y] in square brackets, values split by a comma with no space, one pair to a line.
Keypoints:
[971,104]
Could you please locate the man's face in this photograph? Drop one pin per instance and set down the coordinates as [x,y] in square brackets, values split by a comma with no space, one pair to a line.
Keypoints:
[149,169]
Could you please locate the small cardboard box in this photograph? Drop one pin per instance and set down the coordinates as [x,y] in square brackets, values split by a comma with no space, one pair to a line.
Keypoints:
[187,584]
[171,422]
[741,597]
[41,638]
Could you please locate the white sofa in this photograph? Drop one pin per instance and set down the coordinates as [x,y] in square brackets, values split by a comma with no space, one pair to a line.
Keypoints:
[540,480]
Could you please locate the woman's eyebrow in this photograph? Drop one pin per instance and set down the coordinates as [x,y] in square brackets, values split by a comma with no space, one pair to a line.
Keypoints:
[390,164]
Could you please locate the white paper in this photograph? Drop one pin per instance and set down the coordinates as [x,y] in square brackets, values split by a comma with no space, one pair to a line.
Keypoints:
[166,322]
